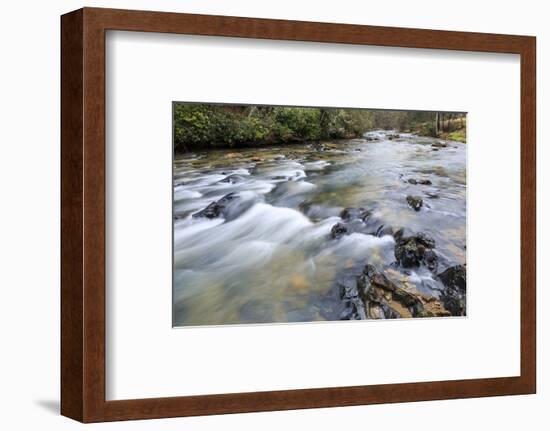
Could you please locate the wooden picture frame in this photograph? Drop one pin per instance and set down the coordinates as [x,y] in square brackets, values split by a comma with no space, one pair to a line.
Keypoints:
[83,214]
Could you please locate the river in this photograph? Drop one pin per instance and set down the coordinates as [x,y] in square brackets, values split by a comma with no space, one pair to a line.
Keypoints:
[270,253]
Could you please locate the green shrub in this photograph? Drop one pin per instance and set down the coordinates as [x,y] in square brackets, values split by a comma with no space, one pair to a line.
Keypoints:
[203,126]
[192,126]
[301,124]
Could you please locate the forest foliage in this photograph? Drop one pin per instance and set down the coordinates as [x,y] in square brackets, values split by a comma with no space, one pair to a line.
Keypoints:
[205,126]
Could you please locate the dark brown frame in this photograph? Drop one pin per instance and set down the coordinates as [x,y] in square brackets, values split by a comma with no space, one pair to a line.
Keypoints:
[83,214]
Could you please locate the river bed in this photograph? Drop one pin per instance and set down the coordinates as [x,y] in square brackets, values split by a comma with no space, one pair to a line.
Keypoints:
[270,252]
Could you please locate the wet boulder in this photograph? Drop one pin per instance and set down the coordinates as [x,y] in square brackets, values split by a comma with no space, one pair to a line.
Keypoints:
[454,293]
[378,292]
[216,209]
[211,211]
[376,227]
[415,202]
[375,300]
[408,253]
[359,220]
[425,239]
[381,310]
[411,251]
[440,144]
[408,300]
[354,307]
[430,260]
[383,230]
[338,230]
[230,206]
[401,232]
[362,220]
[423,182]
[290,193]
[232,179]
[377,279]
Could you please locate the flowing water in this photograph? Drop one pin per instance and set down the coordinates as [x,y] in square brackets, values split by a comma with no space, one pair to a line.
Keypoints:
[270,256]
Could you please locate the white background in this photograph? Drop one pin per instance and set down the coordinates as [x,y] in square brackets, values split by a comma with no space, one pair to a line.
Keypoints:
[29,232]
[146,358]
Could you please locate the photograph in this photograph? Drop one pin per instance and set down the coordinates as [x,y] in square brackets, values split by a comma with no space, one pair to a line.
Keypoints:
[302,214]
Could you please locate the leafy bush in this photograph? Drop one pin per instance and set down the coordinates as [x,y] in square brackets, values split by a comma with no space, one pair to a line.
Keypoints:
[301,124]
[192,126]
[202,126]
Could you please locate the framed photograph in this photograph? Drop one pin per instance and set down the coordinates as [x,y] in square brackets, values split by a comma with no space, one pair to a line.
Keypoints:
[267,215]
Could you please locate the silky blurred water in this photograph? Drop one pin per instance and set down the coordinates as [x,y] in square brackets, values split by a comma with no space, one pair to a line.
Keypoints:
[271,258]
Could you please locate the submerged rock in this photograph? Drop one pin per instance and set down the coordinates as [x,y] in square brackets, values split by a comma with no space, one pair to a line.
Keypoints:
[401,233]
[211,211]
[338,230]
[414,181]
[215,209]
[232,179]
[362,220]
[440,144]
[454,294]
[348,214]
[229,207]
[384,230]
[432,195]
[415,202]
